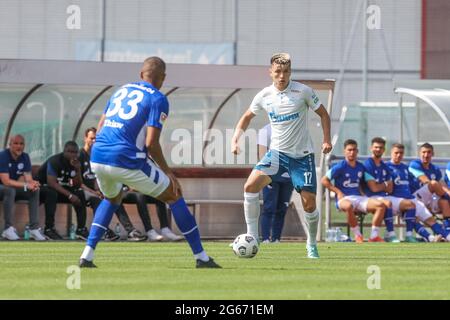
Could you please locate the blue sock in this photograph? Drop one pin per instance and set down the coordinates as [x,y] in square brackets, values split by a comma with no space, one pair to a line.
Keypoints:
[437,229]
[187,225]
[420,229]
[447,224]
[389,220]
[410,219]
[102,218]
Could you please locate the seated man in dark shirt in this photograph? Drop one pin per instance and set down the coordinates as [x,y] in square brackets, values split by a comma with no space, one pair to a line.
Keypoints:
[61,177]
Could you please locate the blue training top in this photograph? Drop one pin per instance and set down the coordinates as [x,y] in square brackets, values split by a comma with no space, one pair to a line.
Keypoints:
[15,168]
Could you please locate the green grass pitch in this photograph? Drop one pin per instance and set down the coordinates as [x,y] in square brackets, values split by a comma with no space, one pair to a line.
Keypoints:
[31,270]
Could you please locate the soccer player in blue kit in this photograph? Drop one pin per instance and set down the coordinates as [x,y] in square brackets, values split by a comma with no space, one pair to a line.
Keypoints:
[129,132]
[286,103]
[401,191]
[427,186]
[348,176]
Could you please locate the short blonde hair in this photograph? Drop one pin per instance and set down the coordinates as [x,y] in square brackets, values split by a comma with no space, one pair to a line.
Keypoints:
[281,58]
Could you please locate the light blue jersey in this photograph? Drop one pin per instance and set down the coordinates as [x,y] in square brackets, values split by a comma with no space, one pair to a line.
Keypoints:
[121,140]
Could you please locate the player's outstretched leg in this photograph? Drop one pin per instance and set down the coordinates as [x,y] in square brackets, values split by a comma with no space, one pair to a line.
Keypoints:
[187,225]
[102,218]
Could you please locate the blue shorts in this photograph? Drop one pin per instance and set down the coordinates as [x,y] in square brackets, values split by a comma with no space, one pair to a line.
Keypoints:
[302,170]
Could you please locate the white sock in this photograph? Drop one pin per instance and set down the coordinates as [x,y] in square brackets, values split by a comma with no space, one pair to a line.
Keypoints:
[408,233]
[356,231]
[88,253]
[312,221]
[374,232]
[202,256]
[251,211]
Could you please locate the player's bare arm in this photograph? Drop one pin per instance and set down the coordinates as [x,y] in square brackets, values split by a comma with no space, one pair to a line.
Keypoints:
[240,128]
[155,152]
[377,187]
[327,184]
[53,183]
[326,125]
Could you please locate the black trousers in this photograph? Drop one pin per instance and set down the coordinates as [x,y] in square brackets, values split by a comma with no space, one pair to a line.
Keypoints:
[121,213]
[50,197]
[141,201]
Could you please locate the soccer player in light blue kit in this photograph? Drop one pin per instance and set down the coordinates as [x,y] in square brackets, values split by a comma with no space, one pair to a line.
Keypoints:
[348,176]
[286,103]
[130,129]
[402,192]
[427,186]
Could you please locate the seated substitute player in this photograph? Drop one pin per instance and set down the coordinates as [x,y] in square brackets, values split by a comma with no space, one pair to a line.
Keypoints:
[348,176]
[379,185]
[129,131]
[286,103]
[61,179]
[402,196]
[427,186]
[94,196]
[16,183]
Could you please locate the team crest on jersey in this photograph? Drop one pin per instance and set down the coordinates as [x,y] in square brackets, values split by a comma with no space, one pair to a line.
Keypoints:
[162,118]
[360,174]
[20,166]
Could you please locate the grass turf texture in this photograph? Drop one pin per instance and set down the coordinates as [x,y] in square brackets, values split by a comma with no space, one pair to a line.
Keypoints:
[31,270]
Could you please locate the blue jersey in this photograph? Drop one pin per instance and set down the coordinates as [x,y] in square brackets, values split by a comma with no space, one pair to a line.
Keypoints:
[121,140]
[347,178]
[417,170]
[401,177]
[447,175]
[379,173]
[15,168]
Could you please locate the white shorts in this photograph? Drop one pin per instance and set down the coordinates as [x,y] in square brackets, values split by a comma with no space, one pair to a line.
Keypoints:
[359,203]
[150,180]
[421,211]
[394,200]
[430,200]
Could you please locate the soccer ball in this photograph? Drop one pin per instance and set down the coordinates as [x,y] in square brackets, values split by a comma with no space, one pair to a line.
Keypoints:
[245,246]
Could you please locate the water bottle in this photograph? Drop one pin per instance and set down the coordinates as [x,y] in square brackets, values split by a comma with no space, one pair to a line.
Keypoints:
[117,229]
[338,234]
[72,232]
[26,234]
[330,235]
